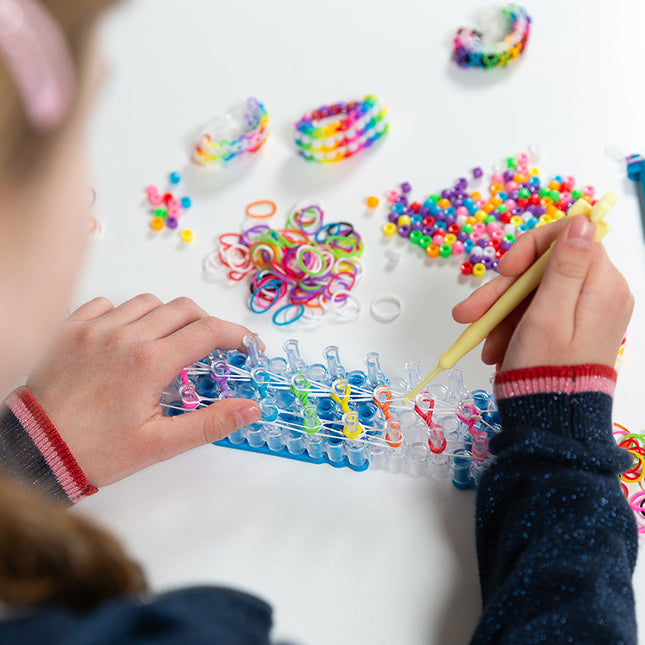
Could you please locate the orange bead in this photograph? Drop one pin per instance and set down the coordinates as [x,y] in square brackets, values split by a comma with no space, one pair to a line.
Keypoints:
[496,188]
[372,202]
[432,250]
[488,208]
[519,179]
[546,201]
[476,196]
[496,201]
[443,203]
[554,185]
[157,224]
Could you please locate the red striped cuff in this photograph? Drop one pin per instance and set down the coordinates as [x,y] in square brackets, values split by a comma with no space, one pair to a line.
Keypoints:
[50,444]
[570,379]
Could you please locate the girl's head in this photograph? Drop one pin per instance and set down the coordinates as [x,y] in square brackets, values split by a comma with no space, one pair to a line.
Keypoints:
[44,183]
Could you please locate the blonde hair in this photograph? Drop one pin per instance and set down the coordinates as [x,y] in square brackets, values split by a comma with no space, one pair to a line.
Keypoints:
[22,149]
[49,556]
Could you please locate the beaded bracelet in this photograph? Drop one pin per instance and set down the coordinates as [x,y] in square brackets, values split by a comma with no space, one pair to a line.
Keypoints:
[243,131]
[469,51]
[322,138]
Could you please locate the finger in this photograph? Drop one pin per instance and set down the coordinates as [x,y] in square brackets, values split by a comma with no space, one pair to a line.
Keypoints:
[167,319]
[184,432]
[196,340]
[481,300]
[557,296]
[133,309]
[529,247]
[93,309]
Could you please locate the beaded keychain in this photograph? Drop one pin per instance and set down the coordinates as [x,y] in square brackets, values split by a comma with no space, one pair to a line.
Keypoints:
[241,132]
[299,272]
[456,223]
[322,137]
[322,413]
[470,51]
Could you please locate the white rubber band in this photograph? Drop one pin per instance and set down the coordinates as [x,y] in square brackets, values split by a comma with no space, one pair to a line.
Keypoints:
[382,314]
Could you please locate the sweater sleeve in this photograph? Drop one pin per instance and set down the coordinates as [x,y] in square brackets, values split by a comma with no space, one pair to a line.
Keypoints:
[33,453]
[556,539]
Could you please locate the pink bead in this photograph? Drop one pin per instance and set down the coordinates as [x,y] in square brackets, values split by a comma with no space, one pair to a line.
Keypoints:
[523,159]
[589,191]
[566,197]
[481,203]
[462,210]
[497,178]
[571,180]
[174,203]
[437,239]
[156,200]
[475,236]
[497,235]
[510,185]
[392,196]
[457,248]
[480,227]
[152,190]
[523,170]
[510,204]
[174,212]
[492,227]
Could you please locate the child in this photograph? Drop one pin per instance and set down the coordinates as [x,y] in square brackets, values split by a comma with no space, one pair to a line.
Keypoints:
[556,540]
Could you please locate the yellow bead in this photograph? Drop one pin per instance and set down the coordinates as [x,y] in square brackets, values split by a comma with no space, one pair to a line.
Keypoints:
[479,270]
[389,229]
[157,224]
[404,220]
[545,219]
[516,220]
[450,239]
[187,235]
[534,172]
[480,216]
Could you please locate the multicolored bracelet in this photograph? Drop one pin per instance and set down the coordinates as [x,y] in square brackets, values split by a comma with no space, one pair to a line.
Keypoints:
[242,131]
[471,52]
[322,138]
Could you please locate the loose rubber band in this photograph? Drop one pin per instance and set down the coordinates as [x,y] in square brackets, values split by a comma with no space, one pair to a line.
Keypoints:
[383,316]
[290,321]
[259,203]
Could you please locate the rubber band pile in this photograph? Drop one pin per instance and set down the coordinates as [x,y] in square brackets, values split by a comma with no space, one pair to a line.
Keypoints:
[478,228]
[301,272]
[322,137]
[322,413]
[470,51]
[632,481]
[167,208]
[241,132]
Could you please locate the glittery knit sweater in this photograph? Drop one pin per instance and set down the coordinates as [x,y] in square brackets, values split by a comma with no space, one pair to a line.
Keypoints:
[556,539]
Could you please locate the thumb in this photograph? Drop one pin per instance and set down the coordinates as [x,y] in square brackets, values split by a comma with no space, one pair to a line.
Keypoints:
[566,272]
[218,420]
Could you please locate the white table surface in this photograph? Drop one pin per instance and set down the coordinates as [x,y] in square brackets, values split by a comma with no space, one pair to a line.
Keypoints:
[343,557]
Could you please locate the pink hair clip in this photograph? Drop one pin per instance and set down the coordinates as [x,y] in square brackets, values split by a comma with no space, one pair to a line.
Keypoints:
[39,61]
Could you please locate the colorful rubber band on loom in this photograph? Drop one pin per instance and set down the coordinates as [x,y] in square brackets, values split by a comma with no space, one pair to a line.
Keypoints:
[323,138]
[470,51]
[241,132]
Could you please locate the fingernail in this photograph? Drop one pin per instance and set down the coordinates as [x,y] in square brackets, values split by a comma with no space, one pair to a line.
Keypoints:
[248,415]
[582,232]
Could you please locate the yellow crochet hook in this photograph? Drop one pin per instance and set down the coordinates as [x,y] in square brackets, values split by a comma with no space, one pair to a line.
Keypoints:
[477,331]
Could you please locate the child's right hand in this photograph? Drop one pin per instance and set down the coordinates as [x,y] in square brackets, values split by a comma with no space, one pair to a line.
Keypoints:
[579,313]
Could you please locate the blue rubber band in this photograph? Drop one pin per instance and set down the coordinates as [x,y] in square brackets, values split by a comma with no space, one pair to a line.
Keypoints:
[292,320]
[270,283]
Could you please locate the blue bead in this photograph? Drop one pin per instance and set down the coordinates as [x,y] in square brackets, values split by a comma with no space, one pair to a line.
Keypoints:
[450,212]
[186,202]
[532,222]
[503,196]
[469,245]
[522,228]
[442,225]
[175,178]
[416,219]
[399,208]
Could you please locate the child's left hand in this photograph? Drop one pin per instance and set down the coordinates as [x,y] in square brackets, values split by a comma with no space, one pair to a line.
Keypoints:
[102,381]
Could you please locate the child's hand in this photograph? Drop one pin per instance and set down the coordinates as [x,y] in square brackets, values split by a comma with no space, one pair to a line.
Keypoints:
[578,314]
[102,381]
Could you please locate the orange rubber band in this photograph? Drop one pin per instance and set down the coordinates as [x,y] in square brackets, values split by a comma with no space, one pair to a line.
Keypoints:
[261,202]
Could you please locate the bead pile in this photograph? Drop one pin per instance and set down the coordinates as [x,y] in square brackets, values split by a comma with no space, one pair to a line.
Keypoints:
[322,137]
[167,208]
[470,51]
[480,229]
[301,272]
[322,413]
[633,479]
[241,132]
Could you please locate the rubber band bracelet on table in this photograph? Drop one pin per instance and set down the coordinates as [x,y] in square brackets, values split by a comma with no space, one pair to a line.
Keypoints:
[253,133]
[469,51]
[321,137]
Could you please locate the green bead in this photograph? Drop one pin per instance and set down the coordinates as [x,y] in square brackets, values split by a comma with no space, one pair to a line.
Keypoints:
[415,236]
[161,212]
[445,251]
[434,197]
[544,191]
[509,238]
[511,162]
[425,241]
[555,196]
[467,229]
[502,209]
[490,219]
[577,194]
[524,193]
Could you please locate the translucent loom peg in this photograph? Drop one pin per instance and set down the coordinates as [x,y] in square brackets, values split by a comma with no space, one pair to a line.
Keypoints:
[424,407]
[334,367]
[254,350]
[374,374]
[315,446]
[311,421]
[467,413]
[317,373]
[291,349]
[456,387]
[189,398]
[413,370]
[356,453]
[273,437]
[416,458]
[352,429]
[382,396]
[255,435]
[300,387]
[260,379]
[480,446]
[393,433]
[340,392]
[220,371]
[269,410]
[436,439]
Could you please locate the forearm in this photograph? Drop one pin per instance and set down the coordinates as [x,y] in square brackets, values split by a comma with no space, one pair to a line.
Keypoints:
[33,454]
[556,539]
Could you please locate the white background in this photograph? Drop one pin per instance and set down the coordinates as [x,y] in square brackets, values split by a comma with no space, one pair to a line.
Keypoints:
[342,557]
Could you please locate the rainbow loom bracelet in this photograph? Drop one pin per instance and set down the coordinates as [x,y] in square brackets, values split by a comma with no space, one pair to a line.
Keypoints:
[242,131]
[470,51]
[322,138]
